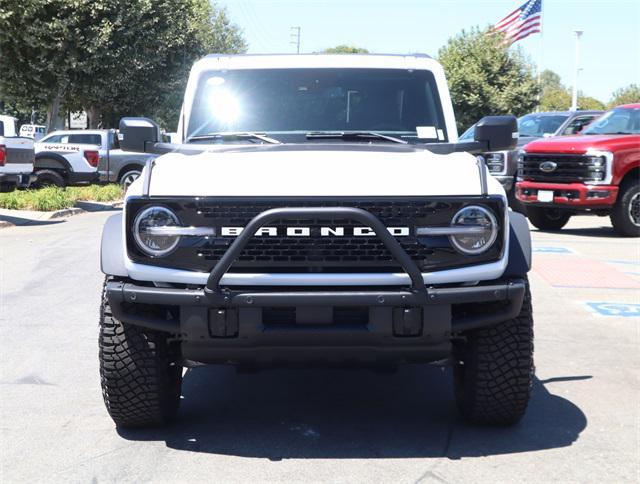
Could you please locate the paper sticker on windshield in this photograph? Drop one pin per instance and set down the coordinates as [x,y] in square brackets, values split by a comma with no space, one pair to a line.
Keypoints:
[427,132]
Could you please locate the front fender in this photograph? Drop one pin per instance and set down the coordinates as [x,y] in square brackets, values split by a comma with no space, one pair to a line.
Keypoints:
[111,249]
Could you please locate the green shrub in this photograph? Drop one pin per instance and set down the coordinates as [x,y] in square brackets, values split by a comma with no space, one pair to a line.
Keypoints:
[98,193]
[53,198]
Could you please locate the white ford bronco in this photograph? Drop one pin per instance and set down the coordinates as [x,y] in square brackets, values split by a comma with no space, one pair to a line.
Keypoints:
[318,209]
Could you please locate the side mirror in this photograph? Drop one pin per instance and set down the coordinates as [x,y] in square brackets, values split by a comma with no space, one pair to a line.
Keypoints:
[498,133]
[138,134]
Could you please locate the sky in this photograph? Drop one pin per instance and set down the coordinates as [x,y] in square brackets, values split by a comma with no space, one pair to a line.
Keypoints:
[610,45]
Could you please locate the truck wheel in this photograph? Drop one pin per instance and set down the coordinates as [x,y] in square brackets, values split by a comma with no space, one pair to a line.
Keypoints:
[7,187]
[129,177]
[494,378]
[140,380]
[47,178]
[547,218]
[625,215]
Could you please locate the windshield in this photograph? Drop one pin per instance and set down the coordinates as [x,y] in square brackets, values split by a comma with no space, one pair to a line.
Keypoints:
[537,125]
[285,104]
[616,121]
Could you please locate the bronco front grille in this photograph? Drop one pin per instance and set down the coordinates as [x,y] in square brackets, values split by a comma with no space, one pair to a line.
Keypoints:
[560,168]
[315,253]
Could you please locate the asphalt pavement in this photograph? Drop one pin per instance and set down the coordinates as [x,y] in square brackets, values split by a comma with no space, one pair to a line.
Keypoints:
[582,425]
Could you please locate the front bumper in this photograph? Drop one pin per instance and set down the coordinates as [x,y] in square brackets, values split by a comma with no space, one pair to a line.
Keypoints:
[217,324]
[568,195]
[239,326]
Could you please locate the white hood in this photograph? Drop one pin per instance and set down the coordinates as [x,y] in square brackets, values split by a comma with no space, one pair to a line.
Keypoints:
[311,172]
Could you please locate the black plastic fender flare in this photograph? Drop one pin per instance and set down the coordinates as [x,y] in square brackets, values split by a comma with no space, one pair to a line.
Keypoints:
[519,246]
[51,160]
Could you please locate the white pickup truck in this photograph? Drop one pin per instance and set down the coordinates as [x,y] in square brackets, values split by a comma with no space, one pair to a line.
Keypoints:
[61,160]
[16,157]
[113,164]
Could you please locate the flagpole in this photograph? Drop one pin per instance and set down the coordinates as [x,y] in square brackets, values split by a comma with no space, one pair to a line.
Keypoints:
[540,54]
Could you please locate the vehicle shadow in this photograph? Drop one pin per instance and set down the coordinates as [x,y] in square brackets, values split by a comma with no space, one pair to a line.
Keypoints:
[19,221]
[286,414]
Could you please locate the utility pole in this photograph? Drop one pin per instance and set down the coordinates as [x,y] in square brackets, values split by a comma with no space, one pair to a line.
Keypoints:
[295,36]
[574,97]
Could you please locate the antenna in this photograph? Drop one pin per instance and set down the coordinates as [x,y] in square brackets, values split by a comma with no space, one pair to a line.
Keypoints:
[295,38]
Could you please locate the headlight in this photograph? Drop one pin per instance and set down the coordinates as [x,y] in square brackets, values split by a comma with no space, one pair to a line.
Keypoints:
[147,234]
[495,162]
[477,230]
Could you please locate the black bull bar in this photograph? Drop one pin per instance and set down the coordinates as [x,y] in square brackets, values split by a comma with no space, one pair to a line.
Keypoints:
[417,304]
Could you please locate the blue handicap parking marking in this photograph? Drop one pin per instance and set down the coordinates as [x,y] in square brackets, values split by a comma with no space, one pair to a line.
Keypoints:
[552,250]
[625,310]
[628,262]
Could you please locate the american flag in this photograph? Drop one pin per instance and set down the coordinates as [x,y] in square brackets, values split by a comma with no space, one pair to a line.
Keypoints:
[521,23]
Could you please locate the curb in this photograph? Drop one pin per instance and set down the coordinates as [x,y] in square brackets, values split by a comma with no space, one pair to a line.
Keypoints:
[91,206]
[30,217]
[66,212]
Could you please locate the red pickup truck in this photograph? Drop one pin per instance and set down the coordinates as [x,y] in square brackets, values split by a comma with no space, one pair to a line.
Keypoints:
[596,172]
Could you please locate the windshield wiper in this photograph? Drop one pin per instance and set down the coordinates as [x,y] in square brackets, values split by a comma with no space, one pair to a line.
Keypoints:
[353,135]
[606,134]
[234,135]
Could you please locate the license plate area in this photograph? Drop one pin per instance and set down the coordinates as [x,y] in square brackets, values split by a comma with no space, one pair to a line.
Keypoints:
[545,196]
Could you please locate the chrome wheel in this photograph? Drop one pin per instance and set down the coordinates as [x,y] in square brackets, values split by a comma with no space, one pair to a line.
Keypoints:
[634,210]
[128,178]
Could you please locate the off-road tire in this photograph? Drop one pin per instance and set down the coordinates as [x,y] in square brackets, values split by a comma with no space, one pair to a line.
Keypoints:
[547,218]
[494,372]
[140,380]
[49,178]
[628,200]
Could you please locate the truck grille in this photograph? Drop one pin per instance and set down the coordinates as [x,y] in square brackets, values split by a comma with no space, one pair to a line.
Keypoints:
[558,168]
[315,253]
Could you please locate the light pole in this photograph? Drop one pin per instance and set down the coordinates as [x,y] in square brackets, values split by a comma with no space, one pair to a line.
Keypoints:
[295,36]
[574,97]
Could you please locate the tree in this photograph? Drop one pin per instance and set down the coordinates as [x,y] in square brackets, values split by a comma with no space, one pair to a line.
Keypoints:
[345,49]
[589,103]
[549,80]
[556,99]
[625,95]
[108,57]
[486,77]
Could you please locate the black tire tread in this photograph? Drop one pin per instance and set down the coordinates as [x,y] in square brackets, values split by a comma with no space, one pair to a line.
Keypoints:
[538,217]
[493,385]
[619,219]
[140,386]
[54,178]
